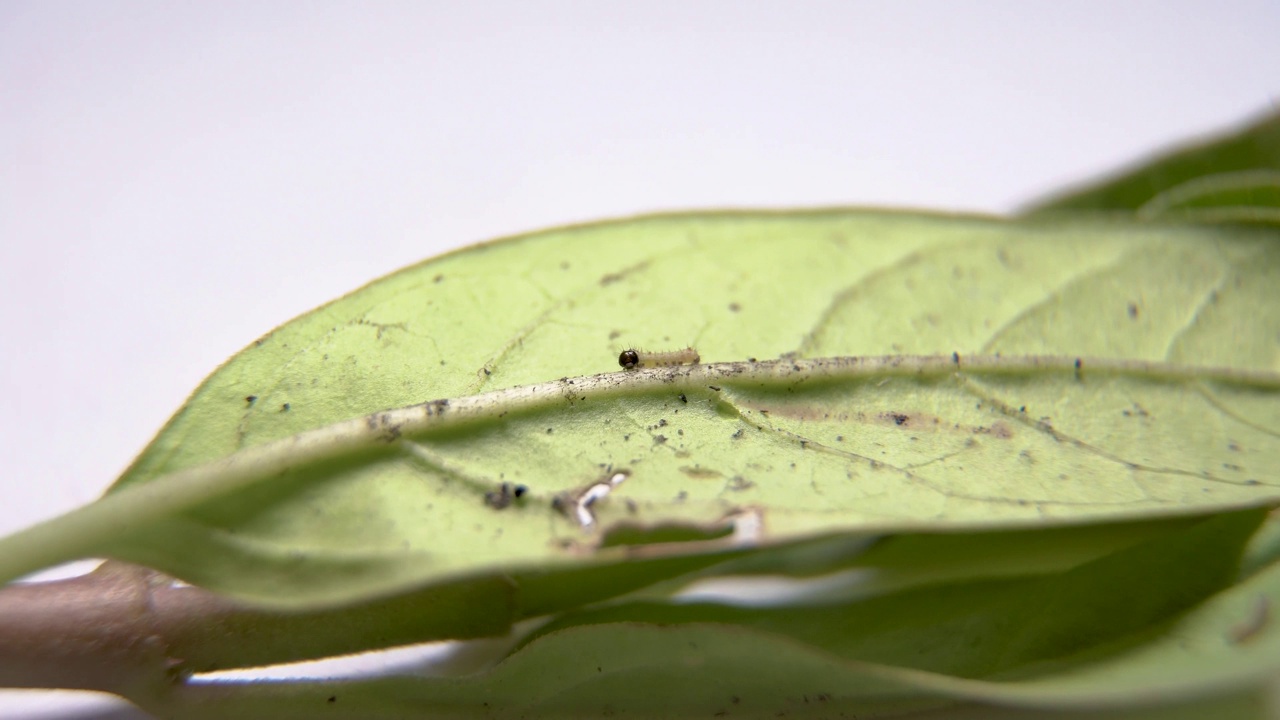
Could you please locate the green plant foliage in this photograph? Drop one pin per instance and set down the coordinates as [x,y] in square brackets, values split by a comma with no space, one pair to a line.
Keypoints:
[797,448]
[980,626]
[1146,625]
[1016,464]
[1230,178]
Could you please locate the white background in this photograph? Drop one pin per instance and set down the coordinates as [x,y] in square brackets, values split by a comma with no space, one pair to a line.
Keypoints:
[178,178]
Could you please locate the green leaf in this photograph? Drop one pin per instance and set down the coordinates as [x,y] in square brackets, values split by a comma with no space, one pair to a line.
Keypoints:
[983,624]
[1147,625]
[1099,370]
[874,566]
[1235,177]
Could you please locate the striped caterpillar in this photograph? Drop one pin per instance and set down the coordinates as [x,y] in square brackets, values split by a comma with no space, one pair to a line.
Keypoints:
[634,358]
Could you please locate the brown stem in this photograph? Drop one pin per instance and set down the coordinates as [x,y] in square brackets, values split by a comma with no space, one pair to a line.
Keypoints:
[94,632]
[130,631]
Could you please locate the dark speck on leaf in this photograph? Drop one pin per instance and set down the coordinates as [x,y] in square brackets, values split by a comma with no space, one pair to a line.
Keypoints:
[549,431]
[501,498]
[1133,310]
[333,698]
[284,407]
[250,400]
[713,387]
[683,399]
[659,439]
[437,278]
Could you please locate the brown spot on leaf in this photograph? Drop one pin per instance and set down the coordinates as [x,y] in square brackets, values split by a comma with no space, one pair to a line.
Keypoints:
[1000,430]
[611,278]
[631,533]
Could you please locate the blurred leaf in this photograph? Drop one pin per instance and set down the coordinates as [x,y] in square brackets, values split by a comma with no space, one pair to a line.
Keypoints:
[978,626]
[366,502]
[850,566]
[1234,177]
[1140,627]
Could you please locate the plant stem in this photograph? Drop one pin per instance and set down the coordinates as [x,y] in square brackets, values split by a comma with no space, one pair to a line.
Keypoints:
[130,631]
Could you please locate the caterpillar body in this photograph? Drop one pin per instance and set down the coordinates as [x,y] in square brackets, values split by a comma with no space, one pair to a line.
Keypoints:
[634,358]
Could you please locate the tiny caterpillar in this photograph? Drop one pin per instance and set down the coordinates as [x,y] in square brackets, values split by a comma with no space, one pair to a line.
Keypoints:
[634,358]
